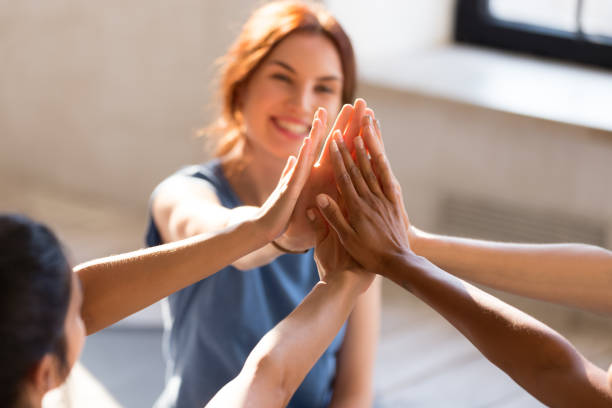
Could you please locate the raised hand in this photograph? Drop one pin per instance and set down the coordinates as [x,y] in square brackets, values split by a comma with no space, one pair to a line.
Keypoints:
[274,214]
[300,234]
[374,229]
[333,262]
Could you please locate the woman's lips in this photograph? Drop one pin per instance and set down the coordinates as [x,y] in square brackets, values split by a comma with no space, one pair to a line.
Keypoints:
[291,128]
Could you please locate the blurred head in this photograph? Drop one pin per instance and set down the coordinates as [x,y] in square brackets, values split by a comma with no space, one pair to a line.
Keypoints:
[290,58]
[40,325]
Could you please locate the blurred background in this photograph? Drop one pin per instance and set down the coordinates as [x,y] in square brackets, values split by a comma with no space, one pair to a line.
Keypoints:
[497,117]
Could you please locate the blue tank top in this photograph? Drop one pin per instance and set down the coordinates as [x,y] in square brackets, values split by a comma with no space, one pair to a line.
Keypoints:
[212,325]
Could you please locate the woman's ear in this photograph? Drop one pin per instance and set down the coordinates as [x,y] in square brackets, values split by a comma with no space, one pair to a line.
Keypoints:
[45,376]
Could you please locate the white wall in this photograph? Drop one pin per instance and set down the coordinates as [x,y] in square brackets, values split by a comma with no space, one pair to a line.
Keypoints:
[381,30]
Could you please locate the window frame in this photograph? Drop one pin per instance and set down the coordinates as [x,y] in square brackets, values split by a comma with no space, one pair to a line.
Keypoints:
[475,25]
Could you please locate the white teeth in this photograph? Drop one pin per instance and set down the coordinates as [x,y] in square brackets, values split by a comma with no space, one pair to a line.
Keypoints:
[292,127]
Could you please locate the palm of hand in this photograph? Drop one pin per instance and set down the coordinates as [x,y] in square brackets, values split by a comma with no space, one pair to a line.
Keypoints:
[332,259]
[321,180]
[300,233]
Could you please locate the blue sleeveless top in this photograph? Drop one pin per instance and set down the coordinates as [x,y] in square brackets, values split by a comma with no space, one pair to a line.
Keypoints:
[212,325]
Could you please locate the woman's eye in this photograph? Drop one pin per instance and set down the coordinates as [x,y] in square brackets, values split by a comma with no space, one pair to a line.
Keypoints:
[282,77]
[324,89]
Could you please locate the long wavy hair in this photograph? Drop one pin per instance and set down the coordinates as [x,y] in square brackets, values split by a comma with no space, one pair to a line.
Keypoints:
[263,31]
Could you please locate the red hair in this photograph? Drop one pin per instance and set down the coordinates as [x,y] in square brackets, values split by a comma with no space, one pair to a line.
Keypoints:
[263,31]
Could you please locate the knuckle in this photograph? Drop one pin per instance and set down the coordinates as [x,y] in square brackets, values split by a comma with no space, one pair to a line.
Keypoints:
[380,158]
[345,179]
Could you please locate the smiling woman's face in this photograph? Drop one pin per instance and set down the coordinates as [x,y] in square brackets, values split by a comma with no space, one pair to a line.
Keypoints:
[301,74]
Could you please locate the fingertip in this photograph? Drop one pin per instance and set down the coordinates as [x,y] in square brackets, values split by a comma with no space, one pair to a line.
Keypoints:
[322,201]
[310,215]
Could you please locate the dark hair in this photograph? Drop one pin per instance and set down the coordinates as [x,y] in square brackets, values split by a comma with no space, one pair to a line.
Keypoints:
[35,284]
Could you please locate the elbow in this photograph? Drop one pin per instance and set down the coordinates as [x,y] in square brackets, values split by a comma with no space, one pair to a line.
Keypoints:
[269,378]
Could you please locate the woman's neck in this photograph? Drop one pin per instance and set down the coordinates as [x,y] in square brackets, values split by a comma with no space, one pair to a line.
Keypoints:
[253,175]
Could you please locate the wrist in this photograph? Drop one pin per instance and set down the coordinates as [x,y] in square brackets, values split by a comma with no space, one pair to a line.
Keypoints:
[287,245]
[416,238]
[396,261]
[348,280]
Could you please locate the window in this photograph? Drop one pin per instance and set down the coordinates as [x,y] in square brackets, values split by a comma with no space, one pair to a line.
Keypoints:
[576,30]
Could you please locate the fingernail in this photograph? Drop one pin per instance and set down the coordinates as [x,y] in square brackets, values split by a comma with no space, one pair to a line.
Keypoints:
[378,124]
[322,201]
[369,119]
[310,214]
[334,146]
[359,142]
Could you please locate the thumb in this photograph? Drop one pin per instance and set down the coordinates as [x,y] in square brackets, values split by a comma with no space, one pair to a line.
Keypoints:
[289,166]
[319,224]
[334,217]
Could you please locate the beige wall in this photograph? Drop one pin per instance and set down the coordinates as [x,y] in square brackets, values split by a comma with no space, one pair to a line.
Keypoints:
[441,148]
[104,98]
[101,101]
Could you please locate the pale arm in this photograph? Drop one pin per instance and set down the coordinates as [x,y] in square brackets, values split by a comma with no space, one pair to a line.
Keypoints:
[282,358]
[354,377]
[118,286]
[572,274]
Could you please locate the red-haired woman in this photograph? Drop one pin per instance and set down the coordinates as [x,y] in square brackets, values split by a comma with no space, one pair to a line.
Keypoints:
[290,59]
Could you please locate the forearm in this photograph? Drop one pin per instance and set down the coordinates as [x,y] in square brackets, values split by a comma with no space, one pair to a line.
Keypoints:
[282,358]
[191,222]
[353,386]
[535,356]
[117,286]
[573,274]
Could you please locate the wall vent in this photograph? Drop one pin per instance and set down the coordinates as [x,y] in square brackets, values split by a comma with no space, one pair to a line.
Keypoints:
[477,218]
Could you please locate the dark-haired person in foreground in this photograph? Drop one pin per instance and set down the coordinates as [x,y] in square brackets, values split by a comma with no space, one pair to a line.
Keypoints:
[374,231]
[46,309]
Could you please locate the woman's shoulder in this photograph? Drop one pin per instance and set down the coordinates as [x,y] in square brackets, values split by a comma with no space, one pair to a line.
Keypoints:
[210,171]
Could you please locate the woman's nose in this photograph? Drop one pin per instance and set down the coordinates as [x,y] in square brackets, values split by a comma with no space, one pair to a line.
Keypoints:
[303,100]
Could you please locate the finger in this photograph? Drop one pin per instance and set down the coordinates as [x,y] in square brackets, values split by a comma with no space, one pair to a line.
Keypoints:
[370,112]
[379,162]
[334,217]
[301,169]
[340,124]
[287,171]
[319,224]
[356,177]
[343,179]
[378,132]
[319,135]
[354,126]
[366,167]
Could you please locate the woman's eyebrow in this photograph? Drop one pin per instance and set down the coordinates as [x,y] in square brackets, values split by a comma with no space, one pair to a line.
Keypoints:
[284,65]
[290,69]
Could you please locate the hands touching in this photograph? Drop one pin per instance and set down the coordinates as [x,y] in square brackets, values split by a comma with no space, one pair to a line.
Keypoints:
[374,230]
[275,213]
[376,225]
[333,262]
[300,233]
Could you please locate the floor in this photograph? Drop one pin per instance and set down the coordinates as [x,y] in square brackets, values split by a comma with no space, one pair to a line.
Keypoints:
[422,360]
